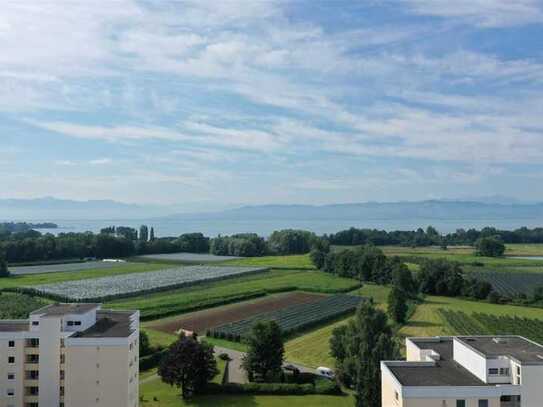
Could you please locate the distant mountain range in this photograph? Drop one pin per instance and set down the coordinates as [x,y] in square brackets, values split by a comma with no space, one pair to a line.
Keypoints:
[45,209]
[434,209]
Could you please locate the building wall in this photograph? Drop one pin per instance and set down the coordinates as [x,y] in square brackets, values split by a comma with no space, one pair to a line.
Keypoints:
[49,365]
[532,386]
[440,402]
[470,360]
[388,391]
[413,353]
[17,369]
[102,373]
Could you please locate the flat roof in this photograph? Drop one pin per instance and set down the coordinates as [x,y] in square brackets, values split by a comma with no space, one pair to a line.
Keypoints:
[516,347]
[445,372]
[59,309]
[109,324]
[14,326]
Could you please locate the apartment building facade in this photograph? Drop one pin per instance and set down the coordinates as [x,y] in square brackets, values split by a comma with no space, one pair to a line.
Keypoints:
[70,355]
[465,371]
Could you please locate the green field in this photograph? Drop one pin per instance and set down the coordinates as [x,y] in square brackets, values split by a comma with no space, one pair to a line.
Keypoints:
[51,278]
[312,349]
[206,295]
[427,321]
[299,261]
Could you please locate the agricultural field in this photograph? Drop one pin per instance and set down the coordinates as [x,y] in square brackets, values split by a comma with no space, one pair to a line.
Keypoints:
[296,261]
[427,321]
[294,318]
[201,321]
[460,323]
[52,278]
[18,306]
[206,295]
[312,349]
[511,284]
[100,289]
[64,267]
[465,256]
[190,258]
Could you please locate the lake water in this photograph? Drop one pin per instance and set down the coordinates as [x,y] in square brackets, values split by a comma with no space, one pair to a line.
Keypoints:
[168,227]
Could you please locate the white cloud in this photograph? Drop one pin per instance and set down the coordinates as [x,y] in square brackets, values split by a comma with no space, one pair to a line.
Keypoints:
[486,13]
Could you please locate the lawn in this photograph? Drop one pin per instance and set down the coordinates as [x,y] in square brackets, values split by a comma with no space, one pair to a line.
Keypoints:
[167,396]
[298,261]
[52,278]
[206,295]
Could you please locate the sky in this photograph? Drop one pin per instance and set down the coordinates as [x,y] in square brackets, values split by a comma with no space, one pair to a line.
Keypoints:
[257,102]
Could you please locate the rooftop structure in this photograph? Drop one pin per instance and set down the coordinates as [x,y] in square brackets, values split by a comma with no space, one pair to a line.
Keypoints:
[465,371]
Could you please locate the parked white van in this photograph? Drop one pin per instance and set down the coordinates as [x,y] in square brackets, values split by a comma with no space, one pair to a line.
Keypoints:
[326,372]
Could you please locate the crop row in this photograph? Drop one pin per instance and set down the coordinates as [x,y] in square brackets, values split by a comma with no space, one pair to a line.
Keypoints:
[127,285]
[510,284]
[460,323]
[291,319]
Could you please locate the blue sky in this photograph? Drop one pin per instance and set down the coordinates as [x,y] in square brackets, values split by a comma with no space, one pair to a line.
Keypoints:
[271,102]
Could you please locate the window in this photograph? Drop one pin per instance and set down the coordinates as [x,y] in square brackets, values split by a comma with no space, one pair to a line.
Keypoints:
[493,371]
[77,323]
[483,403]
[11,344]
[10,392]
[460,403]
[35,323]
[70,323]
[11,360]
[11,376]
[504,371]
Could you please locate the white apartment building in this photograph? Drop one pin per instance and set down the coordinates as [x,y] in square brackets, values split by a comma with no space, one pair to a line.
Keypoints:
[465,371]
[70,355]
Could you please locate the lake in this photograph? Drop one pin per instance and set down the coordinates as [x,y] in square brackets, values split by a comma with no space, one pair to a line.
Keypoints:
[264,227]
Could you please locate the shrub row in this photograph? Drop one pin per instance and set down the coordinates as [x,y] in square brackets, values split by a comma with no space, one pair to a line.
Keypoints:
[280,389]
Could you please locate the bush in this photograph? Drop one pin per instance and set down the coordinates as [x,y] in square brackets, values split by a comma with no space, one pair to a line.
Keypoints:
[153,360]
[279,389]
[489,247]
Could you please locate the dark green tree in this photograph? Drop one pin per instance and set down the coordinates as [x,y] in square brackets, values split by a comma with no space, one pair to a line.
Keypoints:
[266,351]
[4,272]
[489,247]
[318,253]
[403,278]
[189,365]
[397,305]
[145,344]
[144,233]
[152,234]
[441,277]
[359,349]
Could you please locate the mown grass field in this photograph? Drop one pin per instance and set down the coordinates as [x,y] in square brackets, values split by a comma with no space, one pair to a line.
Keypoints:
[52,278]
[210,294]
[298,261]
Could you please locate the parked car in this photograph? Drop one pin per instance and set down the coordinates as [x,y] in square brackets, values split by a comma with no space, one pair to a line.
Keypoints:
[326,372]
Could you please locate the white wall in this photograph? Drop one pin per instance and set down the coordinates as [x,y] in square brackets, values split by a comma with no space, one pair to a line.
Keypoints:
[470,359]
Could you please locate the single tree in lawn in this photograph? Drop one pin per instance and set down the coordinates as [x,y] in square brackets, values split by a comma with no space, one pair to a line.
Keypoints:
[397,305]
[189,365]
[489,247]
[4,272]
[266,351]
[365,342]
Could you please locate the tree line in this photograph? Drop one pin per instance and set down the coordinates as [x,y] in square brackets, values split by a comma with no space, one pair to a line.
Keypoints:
[431,236]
